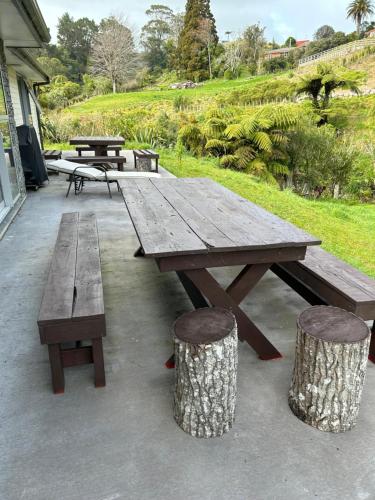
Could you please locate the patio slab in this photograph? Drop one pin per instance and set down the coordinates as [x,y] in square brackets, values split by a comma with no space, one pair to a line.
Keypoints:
[121,442]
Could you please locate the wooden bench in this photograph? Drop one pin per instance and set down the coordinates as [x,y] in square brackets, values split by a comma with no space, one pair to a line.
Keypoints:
[324,279]
[143,159]
[52,154]
[99,160]
[81,149]
[72,308]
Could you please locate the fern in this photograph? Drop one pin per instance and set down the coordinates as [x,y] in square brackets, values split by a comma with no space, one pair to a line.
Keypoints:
[263,141]
[245,155]
[229,161]
[217,147]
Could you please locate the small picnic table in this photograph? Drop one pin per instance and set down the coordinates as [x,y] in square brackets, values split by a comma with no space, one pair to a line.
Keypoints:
[99,144]
[191,225]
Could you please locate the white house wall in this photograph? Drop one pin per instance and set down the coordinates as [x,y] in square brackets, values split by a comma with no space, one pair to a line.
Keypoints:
[16,100]
[14,90]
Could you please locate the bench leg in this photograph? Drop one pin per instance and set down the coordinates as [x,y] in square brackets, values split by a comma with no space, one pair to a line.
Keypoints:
[120,167]
[98,358]
[57,370]
[371,356]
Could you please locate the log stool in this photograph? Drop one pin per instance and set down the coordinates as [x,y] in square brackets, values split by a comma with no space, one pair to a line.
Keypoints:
[206,371]
[330,366]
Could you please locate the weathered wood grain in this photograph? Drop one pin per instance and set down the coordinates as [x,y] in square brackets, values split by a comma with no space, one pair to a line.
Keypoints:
[335,281]
[57,300]
[89,300]
[160,229]
[208,212]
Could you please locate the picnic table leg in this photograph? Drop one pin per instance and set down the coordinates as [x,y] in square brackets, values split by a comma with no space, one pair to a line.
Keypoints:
[371,356]
[98,358]
[246,281]
[194,294]
[139,252]
[247,330]
[57,369]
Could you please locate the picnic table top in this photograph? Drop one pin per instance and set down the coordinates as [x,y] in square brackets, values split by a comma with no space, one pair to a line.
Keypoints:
[97,140]
[174,216]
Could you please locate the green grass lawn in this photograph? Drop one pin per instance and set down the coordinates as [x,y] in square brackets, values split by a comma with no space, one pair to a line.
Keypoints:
[347,230]
[119,101]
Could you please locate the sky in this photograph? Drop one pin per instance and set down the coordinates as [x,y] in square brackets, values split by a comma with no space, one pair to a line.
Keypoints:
[282,18]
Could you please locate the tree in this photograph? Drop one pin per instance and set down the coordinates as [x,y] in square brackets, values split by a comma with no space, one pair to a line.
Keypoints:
[155,35]
[254,43]
[320,85]
[359,10]
[324,31]
[52,66]
[75,39]
[290,42]
[205,35]
[233,55]
[113,52]
[192,51]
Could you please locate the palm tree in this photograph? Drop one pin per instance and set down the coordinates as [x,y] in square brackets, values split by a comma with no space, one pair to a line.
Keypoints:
[358,10]
[320,85]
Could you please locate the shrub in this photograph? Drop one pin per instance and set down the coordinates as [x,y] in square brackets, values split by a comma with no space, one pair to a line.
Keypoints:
[228,74]
[318,159]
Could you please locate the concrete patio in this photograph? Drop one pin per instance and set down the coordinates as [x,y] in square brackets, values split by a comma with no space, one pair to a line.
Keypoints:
[121,442]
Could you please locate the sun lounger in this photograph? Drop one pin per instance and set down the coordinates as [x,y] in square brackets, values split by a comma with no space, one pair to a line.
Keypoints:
[80,173]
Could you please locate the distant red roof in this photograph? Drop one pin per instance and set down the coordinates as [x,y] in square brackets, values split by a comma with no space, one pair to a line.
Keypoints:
[302,43]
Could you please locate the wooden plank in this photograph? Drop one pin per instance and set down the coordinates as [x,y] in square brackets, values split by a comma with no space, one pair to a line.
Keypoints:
[221,259]
[89,301]
[57,300]
[97,140]
[205,228]
[244,223]
[161,231]
[340,275]
[335,281]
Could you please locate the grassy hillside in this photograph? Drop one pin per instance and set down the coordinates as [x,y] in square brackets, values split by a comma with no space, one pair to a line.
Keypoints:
[207,90]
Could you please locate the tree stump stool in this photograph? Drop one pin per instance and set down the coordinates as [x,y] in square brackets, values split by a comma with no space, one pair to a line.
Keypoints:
[330,366]
[206,371]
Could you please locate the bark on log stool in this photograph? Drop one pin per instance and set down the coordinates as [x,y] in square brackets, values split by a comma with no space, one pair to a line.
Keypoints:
[206,371]
[330,367]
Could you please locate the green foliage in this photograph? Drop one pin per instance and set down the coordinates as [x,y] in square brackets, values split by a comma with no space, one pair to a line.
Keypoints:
[192,50]
[228,74]
[290,42]
[52,66]
[192,138]
[320,85]
[268,90]
[326,43]
[319,159]
[255,144]
[324,31]
[74,38]
[59,93]
[156,36]
[359,10]
[181,102]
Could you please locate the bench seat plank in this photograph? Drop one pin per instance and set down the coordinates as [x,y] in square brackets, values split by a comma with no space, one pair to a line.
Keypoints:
[89,300]
[335,281]
[57,300]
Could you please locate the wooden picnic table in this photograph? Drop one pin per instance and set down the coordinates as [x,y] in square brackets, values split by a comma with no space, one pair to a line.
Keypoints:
[99,144]
[191,225]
